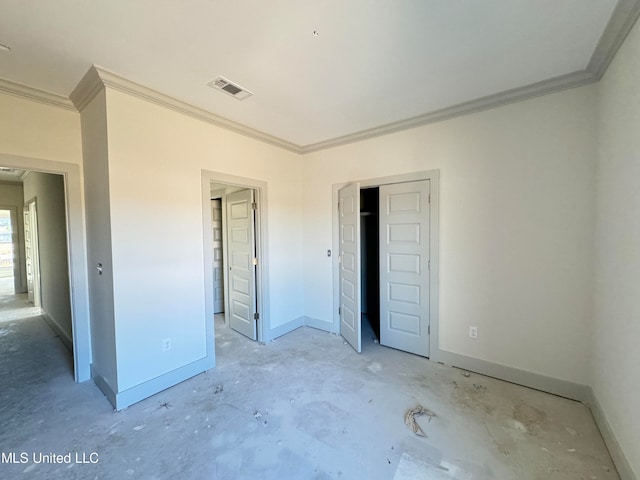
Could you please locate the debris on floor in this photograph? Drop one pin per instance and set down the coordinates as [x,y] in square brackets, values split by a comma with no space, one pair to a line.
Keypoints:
[410,418]
[257,415]
[465,373]
[218,389]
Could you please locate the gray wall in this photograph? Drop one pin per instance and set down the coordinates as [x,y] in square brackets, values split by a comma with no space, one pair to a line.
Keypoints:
[48,190]
[97,204]
[11,195]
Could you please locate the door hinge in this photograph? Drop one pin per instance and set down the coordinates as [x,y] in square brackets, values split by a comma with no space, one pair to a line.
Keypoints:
[256,316]
[255,261]
[429,329]
[254,206]
[429,265]
[340,258]
[429,198]
[339,311]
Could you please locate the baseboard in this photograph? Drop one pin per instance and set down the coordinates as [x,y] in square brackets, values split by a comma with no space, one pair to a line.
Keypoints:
[319,324]
[102,384]
[617,455]
[64,336]
[284,329]
[562,388]
[151,387]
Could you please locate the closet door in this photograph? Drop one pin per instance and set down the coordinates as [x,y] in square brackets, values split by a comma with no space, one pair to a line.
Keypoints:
[349,226]
[404,266]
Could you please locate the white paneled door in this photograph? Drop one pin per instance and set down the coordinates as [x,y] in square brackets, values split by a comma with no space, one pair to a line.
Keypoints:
[218,267]
[241,250]
[404,266]
[349,226]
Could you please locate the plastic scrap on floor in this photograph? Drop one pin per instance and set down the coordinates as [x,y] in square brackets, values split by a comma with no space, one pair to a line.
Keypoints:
[465,373]
[218,389]
[410,419]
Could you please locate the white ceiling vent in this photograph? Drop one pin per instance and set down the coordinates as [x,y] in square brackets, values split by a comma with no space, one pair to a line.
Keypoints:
[235,90]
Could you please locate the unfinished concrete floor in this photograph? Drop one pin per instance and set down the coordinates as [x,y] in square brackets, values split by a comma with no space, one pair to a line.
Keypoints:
[305,406]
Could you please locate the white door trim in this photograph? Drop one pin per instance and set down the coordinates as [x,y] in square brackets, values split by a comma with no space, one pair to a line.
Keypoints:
[262,247]
[434,177]
[33,256]
[77,248]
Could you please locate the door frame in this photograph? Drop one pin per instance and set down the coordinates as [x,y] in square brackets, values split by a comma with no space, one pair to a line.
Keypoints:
[34,247]
[262,247]
[434,234]
[222,196]
[77,253]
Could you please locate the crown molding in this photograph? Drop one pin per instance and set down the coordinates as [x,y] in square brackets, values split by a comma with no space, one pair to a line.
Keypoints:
[97,78]
[30,93]
[624,16]
[563,82]
[86,90]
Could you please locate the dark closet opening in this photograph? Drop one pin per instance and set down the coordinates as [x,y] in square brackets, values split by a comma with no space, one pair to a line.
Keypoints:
[370,260]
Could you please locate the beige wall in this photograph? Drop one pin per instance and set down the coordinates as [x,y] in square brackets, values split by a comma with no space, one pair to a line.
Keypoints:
[32,129]
[156,158]
[616,356]
[516,227]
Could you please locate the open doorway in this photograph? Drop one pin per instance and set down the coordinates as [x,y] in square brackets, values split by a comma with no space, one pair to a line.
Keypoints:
[41,229]
[385,279]
[70,236]
[235,226]
[9,252]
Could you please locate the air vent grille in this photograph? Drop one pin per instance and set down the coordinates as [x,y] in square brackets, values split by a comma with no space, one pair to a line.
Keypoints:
[230,88]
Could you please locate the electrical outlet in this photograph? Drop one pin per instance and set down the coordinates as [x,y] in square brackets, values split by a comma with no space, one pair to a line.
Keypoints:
[166,344]
[473,332]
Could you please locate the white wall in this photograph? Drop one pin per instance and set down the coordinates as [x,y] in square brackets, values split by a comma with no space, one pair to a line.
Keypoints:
[12,195]
[96,181]
[516,227]
[49,192]
[156,158]
[616,356]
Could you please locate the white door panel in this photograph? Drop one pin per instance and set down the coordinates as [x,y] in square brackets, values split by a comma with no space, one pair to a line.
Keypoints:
[404,266]
[349,227]
[241,251]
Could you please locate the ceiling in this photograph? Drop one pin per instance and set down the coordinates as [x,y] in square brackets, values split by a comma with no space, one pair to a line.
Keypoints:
[8,174]
[371,63]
